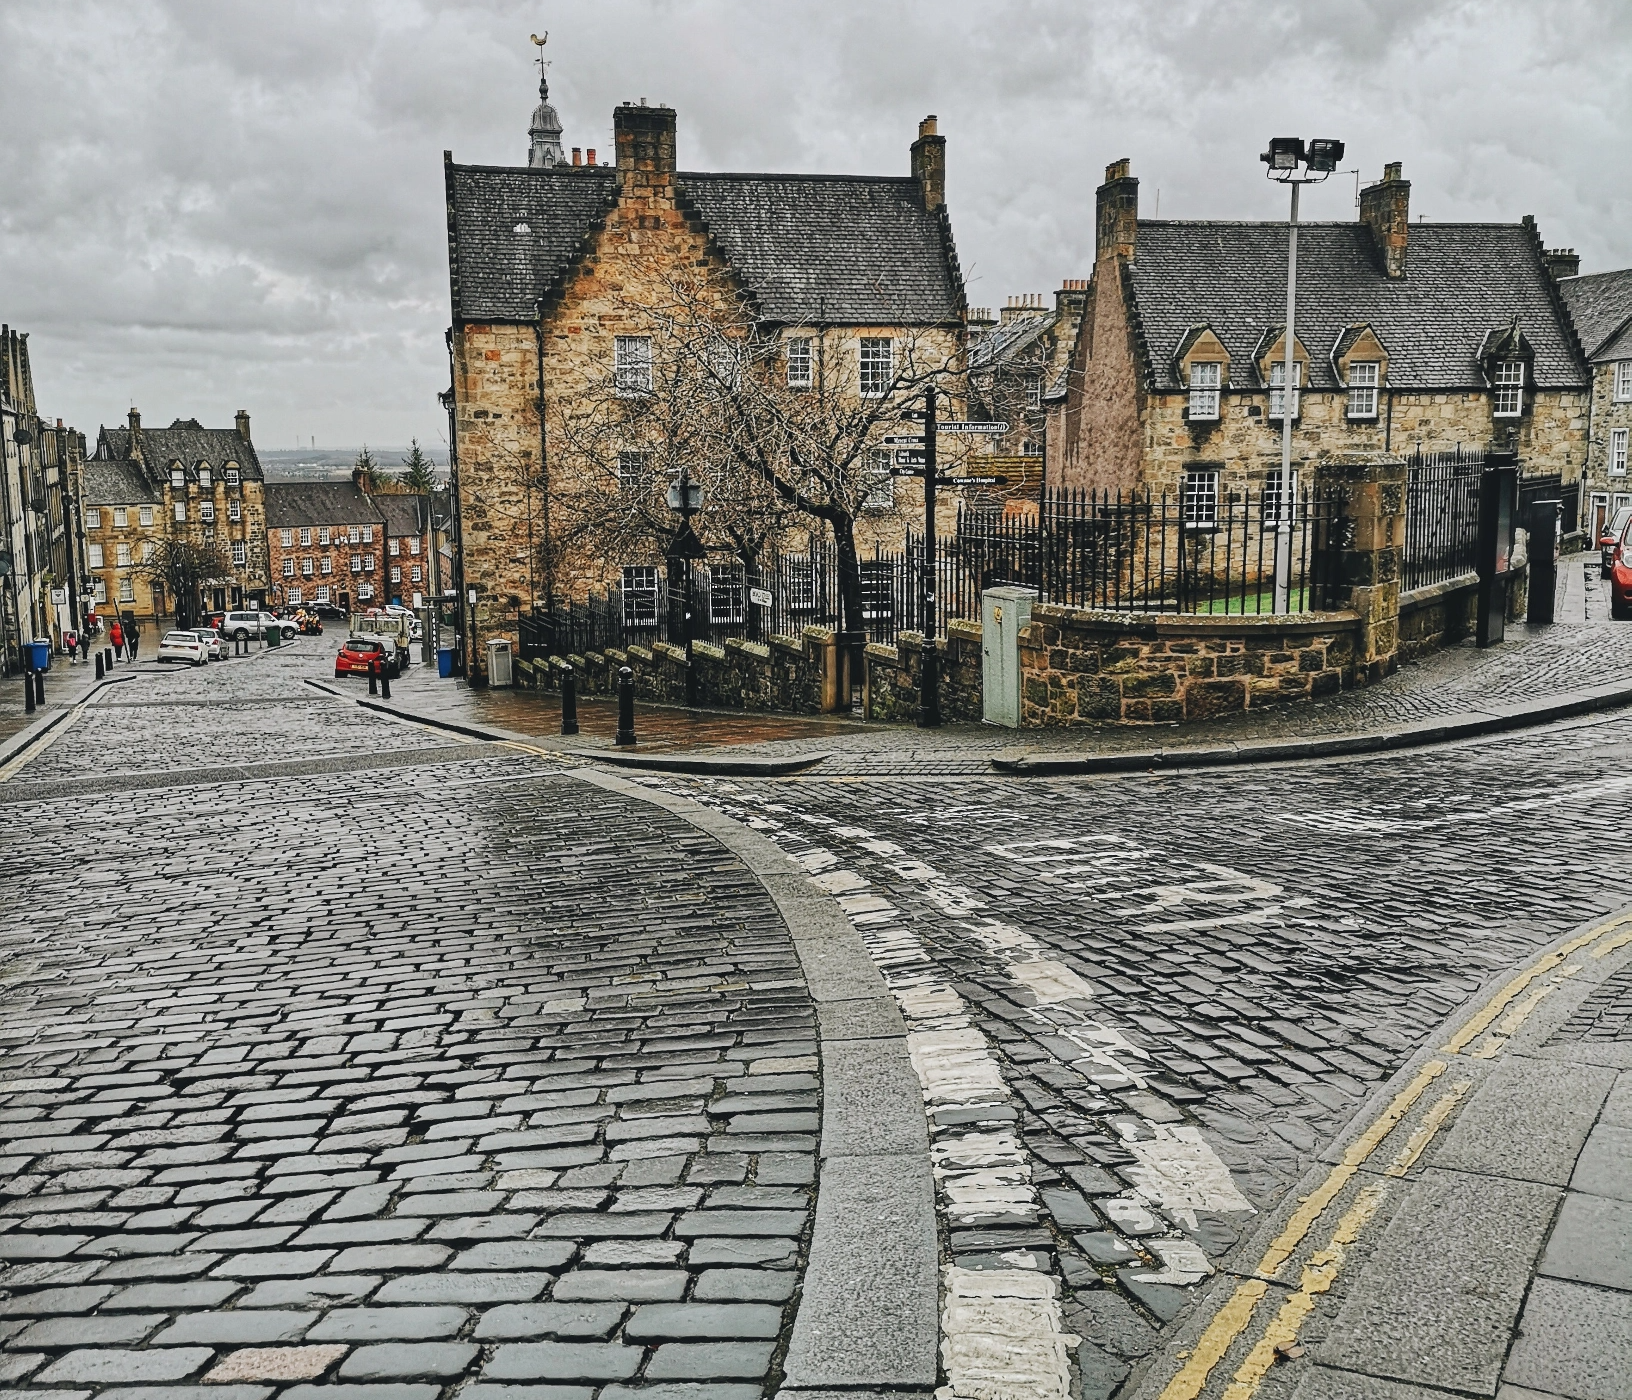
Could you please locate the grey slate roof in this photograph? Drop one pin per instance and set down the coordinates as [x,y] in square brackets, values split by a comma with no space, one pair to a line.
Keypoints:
[1463,282]
[1601,306]
[856,250]
[112,483]
[403,515]
[186,441]
[1005,342]
[290,503]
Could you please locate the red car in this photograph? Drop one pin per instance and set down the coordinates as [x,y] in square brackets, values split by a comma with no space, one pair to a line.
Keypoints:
[359,656]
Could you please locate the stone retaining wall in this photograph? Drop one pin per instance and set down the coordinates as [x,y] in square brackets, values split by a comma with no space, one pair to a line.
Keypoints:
[894,675]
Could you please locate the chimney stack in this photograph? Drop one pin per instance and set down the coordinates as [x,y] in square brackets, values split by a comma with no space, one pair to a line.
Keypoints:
[1385,208]
[644,138]
[577,155]
[592,155]
[1562,263]
[1072,296]
[242,420]
[1116,209]
[929,164]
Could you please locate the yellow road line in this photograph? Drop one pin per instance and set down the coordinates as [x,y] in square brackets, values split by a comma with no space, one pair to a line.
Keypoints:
[1318,1276]
[1619,941]
[1432,1121]
[41,744]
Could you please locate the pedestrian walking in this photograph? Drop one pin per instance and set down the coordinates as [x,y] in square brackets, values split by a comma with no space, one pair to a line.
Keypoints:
[133,635]
[85,646]
[116,637]
[70,645]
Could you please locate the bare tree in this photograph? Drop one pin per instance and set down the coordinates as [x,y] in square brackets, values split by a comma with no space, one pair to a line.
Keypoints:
[183,567]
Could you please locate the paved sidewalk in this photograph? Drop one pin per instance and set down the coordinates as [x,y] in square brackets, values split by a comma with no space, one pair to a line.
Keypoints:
[1470,1233]
[1581,651]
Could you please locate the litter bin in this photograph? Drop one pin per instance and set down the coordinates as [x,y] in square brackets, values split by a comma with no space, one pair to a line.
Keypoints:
[444,662]
[273,636]
[39,656]
[498,662]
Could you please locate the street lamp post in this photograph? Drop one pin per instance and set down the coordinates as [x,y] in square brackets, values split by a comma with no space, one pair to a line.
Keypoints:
[1318,159]
[685,497]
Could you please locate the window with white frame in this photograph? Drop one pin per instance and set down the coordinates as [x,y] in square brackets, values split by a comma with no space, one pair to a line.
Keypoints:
[1618,450]
[231,476]
[418,574]
[639,595]
[145,515]
[413,544]
[634,469]
[206,511]
[632,364]
[1206,379]
[305,536]
[1623,380]
[238,553]
[121,518]
[308,567]
[877,366]
[396,573]
[1198,499]
[801,363]
[1364,377]
[1031,448]
[121,556]
[365,591]
[877,588]
[1034,391]
[322,534]
[293,596]
[149,549]
[393,546]
[725,592]
[1277,388]
[288,568]
[235,512]
[368,563]
[880,484]
[93,519]
[181,510]
[286,538]
[1275,499]
[127,590]
[1509,388]
[368,534]
[94,554]
[178,478]
[322,593]
[204,478]
[327,565]
[353,535]
[101,591]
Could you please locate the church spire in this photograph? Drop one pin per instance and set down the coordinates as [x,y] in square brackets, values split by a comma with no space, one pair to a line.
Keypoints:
[544,133]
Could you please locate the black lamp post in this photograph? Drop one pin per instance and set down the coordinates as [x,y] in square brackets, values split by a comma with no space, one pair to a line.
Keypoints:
[685,497]
[1317,159]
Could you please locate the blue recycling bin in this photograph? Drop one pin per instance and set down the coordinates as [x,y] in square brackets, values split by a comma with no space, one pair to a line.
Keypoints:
[39,654]
[444,662]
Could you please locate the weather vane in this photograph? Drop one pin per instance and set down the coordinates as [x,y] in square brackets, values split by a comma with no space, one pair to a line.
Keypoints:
[543,75]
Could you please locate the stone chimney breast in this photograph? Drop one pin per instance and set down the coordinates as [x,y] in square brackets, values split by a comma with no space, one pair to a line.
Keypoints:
[644,138]
[1563,262]
[1116,208]
[1385,209]
[929,164]
[242,420]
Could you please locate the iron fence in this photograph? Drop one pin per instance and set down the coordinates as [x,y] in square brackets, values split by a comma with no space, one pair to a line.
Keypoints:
[1441,516]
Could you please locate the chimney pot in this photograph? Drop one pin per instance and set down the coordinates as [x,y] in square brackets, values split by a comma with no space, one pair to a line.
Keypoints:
[927,126]
[577,155]
[592,155]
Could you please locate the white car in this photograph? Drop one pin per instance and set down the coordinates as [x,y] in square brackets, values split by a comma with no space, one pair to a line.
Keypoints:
[239,626]
[213,645]
[184,646]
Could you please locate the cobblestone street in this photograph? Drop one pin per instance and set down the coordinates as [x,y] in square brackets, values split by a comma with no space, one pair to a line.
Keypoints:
[343,1058]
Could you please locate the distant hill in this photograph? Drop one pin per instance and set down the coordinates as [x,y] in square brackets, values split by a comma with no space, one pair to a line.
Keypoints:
[335,463]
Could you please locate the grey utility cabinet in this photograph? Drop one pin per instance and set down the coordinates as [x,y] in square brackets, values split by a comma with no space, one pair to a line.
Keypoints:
[1003,612]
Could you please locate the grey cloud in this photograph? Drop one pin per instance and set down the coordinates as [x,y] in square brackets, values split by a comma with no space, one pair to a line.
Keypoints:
[211,205]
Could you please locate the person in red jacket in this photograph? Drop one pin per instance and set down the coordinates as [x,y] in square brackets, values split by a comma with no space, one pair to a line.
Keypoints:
[116,637]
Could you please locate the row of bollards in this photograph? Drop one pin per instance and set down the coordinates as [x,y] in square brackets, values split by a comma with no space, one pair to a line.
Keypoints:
[626,703]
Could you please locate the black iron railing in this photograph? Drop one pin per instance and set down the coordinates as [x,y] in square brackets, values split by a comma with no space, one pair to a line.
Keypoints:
[1441,516]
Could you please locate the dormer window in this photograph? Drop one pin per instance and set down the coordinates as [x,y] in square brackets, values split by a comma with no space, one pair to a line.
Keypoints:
[1277,388]
[231,476]
[178,478]
[1509,378]
[203,478]
[1206,379]
[1363,380]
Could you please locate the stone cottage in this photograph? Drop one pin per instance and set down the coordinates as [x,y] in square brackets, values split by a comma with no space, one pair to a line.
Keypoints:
[1602,307]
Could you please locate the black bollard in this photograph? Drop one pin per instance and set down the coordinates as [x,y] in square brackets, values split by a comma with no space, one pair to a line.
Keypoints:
[626,708]
[373,683]
[28,692]
[569,700]
[107,659]
[39,687]
[385,685]
[99,671]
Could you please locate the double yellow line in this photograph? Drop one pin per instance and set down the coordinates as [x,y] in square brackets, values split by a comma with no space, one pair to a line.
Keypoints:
[1495,1021]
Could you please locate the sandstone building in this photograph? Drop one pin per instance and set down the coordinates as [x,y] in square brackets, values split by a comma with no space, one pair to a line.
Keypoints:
[145,485]
[557,270]
[332,544]
[1602,309]
[1408,334]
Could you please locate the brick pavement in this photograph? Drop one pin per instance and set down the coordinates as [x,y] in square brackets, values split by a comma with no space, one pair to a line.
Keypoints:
[497,1081]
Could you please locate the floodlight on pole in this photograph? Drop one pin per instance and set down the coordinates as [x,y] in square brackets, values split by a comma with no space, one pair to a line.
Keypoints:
[1319,158]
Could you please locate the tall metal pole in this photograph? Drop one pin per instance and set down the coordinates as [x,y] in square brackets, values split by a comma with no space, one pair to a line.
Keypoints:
[1283,519]
[929,702]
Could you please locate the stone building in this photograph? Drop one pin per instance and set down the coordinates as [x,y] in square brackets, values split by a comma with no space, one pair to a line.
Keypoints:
[1601,306]
[186,482]
[333,544]
[1408,334]
[41,582]
[554,264]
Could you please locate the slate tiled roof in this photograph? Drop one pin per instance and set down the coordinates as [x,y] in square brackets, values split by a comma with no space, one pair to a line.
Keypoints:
[853,250]
[290,503]
[403,515]
[113,483]
[186,441]
[1463,282]
[1005,342]
[1601,306]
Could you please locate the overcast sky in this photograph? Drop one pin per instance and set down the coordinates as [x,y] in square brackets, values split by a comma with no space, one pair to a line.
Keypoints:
[208,205]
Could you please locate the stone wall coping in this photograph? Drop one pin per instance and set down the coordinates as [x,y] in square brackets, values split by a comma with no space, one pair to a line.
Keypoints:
[759,650]
[1197,624]
[1419,598]
[708,649]
[614,657]
[963,627]
[793,644]
[822,636]
[879,652]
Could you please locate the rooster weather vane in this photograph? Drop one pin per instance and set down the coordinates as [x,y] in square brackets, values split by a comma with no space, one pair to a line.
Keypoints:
[543,67]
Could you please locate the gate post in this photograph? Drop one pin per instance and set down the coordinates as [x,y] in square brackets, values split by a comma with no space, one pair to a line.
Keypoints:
[1368,551]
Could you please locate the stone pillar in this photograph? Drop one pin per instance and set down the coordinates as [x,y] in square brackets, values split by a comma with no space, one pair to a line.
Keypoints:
[1368,543]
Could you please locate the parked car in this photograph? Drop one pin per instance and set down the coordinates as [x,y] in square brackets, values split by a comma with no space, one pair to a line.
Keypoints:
[213,643]
[242,625]
[1611,537]
[1618,574]
[392,629]
[358,656]
[184,646]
